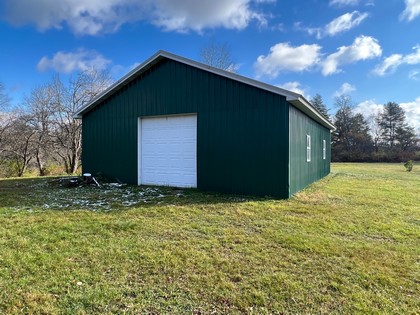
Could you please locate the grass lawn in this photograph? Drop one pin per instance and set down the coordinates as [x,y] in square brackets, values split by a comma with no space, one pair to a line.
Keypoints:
[348,244]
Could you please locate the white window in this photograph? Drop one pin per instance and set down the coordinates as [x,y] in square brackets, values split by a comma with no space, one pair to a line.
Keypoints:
[324,149]
[308,148]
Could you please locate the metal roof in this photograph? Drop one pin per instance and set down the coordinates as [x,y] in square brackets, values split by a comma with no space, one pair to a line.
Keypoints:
[295,99]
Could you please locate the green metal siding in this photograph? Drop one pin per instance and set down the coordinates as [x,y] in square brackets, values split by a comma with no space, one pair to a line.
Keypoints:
[301,172]
[242,131]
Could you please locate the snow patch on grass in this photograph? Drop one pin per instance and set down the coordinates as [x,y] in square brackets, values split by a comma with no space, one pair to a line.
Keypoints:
[53,194]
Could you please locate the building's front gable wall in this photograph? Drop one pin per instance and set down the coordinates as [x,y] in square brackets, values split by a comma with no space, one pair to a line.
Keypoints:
[242,131]
[303,172]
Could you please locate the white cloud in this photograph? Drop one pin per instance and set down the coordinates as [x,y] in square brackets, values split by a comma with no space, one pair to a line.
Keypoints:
[344,2]
[391,63]
[412,10]
[345,89]
[414,58]
[283,57]
[67,62]
[317,31]
[414,75]
[345,22]
[91,17]
[363,48]
[293,86]
[83,17]
[412,113]
[182,15]
[340,24]
[370,109]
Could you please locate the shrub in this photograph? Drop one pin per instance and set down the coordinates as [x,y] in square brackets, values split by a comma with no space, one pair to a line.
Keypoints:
[408,166]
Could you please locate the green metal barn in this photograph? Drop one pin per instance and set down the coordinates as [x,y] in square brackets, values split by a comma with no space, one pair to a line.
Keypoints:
[176,122]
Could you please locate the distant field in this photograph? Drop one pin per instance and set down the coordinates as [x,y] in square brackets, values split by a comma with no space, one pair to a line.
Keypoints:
[349,244]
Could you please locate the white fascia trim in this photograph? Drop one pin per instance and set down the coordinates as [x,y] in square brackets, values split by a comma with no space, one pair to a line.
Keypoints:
[302,104]
[114,87]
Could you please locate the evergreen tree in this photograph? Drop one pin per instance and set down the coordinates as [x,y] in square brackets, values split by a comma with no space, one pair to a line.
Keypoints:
[361,137]
[318,103]
[351,140]
[396,136]
[341,135]
[407,139]
[391,121]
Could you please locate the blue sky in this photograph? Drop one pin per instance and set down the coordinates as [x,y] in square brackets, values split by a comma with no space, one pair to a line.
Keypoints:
[369,49]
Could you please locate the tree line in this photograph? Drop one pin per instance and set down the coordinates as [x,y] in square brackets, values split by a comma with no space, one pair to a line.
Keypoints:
[385,137]
[41,133]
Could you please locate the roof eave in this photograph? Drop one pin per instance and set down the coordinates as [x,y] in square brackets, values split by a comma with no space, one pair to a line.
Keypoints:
[119,83]
[303,105]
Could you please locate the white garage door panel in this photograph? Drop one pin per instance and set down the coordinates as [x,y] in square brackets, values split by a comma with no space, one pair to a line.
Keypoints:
[168,151]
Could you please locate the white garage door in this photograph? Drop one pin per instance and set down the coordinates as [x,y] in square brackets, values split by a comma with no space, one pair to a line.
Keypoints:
[168,151]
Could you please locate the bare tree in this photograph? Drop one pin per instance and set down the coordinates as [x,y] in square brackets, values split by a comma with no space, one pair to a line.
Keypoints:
[48,130]
[375,130]
[45,130]
[67,132]
[19,143]
[40,105]
[218,56]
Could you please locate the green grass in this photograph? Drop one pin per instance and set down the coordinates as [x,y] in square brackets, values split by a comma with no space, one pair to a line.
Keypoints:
[348,244]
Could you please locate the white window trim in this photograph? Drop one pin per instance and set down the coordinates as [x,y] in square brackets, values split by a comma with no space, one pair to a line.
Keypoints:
[308,148]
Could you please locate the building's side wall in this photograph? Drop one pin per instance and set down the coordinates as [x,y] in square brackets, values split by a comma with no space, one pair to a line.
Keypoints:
[242,144]
[301,172]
